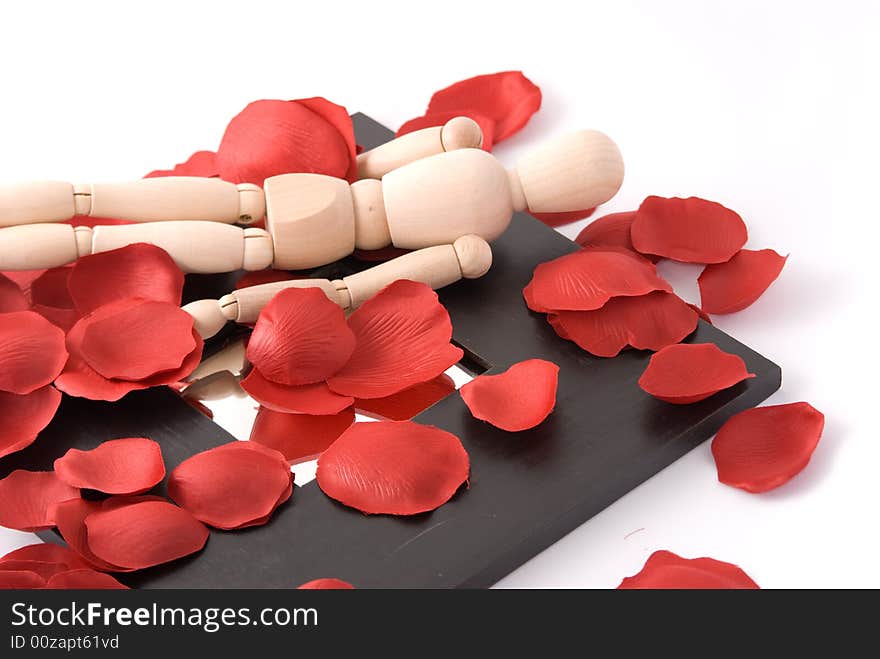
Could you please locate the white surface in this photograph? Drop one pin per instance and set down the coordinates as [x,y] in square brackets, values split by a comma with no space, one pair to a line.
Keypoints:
[770,108]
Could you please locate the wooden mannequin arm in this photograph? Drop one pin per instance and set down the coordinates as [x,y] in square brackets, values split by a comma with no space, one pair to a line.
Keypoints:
[457,133]
[468,258]
[146,200]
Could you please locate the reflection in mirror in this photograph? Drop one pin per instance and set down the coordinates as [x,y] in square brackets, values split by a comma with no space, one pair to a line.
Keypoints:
[215,390]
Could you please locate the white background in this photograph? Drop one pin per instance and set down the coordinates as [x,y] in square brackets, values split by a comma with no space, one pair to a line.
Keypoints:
[769,108]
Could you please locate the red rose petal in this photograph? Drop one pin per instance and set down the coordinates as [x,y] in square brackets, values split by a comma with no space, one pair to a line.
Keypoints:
[299,437]
[80,379]
[487,125]
[393,467]
[305,399]
[89,221]
[119,466]
[646,322]
[48,553]
[43,568]
[25,416]
[734,285]
[272,137]
[762,448]
[508,98]
[301,337]
[144,534]
[27,497]
[563,217]
[586,280]
[231,486]
[608,231]
[326,584]
[51,297]
[402,339]
[132,340]
[32,352]
[259,277]
[20,580]
[692,230]
[12,298]
[665,570]
[83,579]
[139,270]
[201,163]
[406,404]
[70,519]
[702,314]
[517,399]
[687,373]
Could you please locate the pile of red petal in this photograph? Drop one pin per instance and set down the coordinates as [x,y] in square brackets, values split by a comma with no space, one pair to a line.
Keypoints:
[762,448]
[308,358]
[665,570]
[608,298]
[393,467]
[271,137]
[130,331]
[518,399]
[693,230]
[501,103]
[691,372]
[32,356]
[233,486]
[51,567]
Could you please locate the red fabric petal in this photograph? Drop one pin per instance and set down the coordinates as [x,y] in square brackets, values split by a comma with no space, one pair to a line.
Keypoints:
[70,519]
[305,399]
[89,221]
[734,285]
[690,372]
[301,337]
[48,553]
[517,399]
[32,352]
[608,231]
[586,280]
[139,270]
[263,277]
[402,339]
[119,466]
[27,497]
[201,163]
[692,230]
[51,297]
[83,579]
[25,416]
[20,580]
[646,322]
[132,340]
[144,534]
[80,379]
[44,569]
[326,584]
[406,404]
[12,298]
[665,570]
[231,486]
[563,217]
[299,437]
[271,137]
[487,125]
[762,448]
[508,98]
[393,467]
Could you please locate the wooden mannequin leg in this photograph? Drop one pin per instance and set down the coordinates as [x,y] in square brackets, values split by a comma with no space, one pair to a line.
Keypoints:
[468,257]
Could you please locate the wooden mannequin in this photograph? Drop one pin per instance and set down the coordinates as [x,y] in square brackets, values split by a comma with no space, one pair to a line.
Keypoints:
[311,220]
